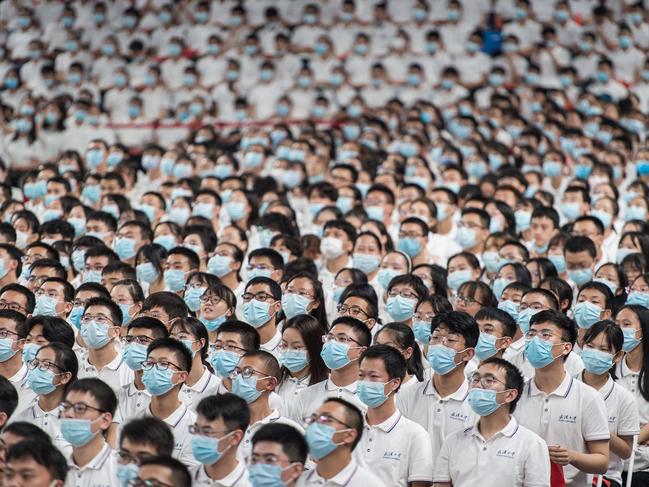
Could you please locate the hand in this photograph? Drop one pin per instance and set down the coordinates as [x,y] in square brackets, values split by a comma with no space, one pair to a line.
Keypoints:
[560,455]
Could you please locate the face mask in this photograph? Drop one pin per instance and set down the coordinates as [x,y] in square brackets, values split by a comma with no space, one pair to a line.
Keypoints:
[335,355]
[246,389]
[524,319]
[127,473]
[206,449]
[483,401]
[400,308]
[219,265]
[49,215]
[587,314]
[635,213]
[21,239]
[294,360]
[559,262]
[95,335]
[157,382]
[441,359]
[295,304]
[41,381]
[179,215]
[331,247]
[492,261]
[193,296]
[366,263]
[610,284]
[385,276]
[637,297]
[235,209]
[77,432]
[422,332]
[630,340]
[29,352]
[45,305]
[126,314]
[580,276]
[466,237]
[134,354]
[595,361]
[499,286]
[75,317]
[457,278]
[486,346]
[539,353]
[79,225]
[319,437]
[125,248]
[509,307]
[266,475]
[174,279]
[146,272]
[570,210]
[410,246]
[166,241]
[6,351]
[372,394]
[224,362]
[213,325]
[256,313]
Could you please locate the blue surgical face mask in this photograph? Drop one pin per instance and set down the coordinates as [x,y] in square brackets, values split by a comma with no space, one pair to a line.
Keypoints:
[372,394]
[319,438]
[77,432]
[45,305]
[205,449]
[95,335]
[266,475]
[6,349]
[492,261]
[610,284]
[125,248]
[509,307]
[499,286]
[386,275]
[126,312]
[457,278]
[410,246]
[294,360]
[213,324]
[158,382]
[539,353]
[41,381]
[559,262]
[256,313]
[638,297]
[294,304]
[127,473]
[483,402]
[246,389]
[335,354]
[486,346]
[587,314]
[630,340]
[134,354]
[166,241]
[193,297]
[29,352]
[422,331]
[441,359]
[400,308]
[219,265]
[571,211]
[366,263]
[580,276]
[174,279]
[224,362]
[595,361]
[466,237]
[146,272]
[524,318]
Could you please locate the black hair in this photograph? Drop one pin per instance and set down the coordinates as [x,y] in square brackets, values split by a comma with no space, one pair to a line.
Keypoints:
[275,258]
[150,431]
[566,324]
[472,288]
[179,474]
[311,332]
[495,314]
[561,291]
[549,295]
[275,289]
[248,334]
[192,257]
[612,331]
[293,444]
[25,430]
[579,243]
[601,288]
[458,322]
[8,397]
[198,330]
[364,337]
[157,328]
[17,318]
[50,458]
[411,280]
[642,313]
[319,313]
[29,296]
[97,388]
[113,308]
[154,253]
[403,336]
[228,407]
[182,354]
[270,362]
[15,255]
[171,303]
[513,378]
[393,360]
[66,360]
[367,293]
[353,417]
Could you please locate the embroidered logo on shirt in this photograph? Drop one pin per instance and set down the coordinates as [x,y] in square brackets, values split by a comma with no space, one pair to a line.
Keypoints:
[505,453]
[392,455]
[568,418]
[458,416]
[612,419]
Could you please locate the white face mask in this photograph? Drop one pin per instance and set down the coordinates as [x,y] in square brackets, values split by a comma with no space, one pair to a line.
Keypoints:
[21,239]
[331,247]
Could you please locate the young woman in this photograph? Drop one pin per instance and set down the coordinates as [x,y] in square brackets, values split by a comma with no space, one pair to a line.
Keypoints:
[168,234]
[508,273]
[462,267]
[401,298]
[473,295]
[603,349]
[402,338]
[197,284]
[633,374]
[594,303]
[303,295]
[52,370]
[225,263]
[434,277]
[639,291]
[129,296]
[300,358]
[367,254]
[217,305]
[149,262]
[613,276]
[201,382]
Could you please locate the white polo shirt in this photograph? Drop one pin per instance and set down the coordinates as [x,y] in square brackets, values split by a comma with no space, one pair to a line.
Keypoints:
[573,364]
[630,381]
[353,475]
[237,478]
[132,403]
[245,447]
[179,421]
[515,456]
[25,394]
[207,385]
[397,451]
[272,345]
[290,387]
[48,421]
[101,471]
[569,416]
[439,416]
[116,373]
[623,420]
[311,398]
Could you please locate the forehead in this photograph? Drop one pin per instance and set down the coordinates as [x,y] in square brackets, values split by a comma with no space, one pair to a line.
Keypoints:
[79,396]
[257,288]
[156,472]
[163,353]
[375,364]
[137,447]
[535,297]
[254,362]
[268,448]
[228,336]
[97,309]
[497,372]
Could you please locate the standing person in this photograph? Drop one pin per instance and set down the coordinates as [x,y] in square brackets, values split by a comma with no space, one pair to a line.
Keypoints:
[497,450]
[279,452]
[262,301]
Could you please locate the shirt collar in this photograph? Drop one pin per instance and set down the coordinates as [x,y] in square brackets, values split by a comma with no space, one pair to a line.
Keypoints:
[509,430]
[112,365]
[202,383]
[330,386]
[387,425]
[132,390]
[175,417]
[624,368]
[341,478]
[607,390]
[20,375]
[230,480]
[459,395]
[274,342]
[562,391]
[96,463]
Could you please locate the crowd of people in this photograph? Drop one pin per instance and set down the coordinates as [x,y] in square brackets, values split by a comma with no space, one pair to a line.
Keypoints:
[335,243]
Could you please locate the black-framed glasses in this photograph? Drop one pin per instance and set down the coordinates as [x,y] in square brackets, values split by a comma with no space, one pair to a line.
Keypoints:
[354,311]
[10,305]
[125,457]
[340,338]
[486,381]
[139,339]
[139,482]
[260,296]
[210,299]
[42,365]
[323,419]
[79,408]
[217,347]
[161,365]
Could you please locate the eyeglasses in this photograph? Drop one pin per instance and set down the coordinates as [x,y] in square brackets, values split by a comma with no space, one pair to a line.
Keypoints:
[217,347]
[410,235]
[486,381]
[545,335]
[423,317]
[138,482]
[161,365]
[124,457]
[404,293]
[42,365]
[438,338]
[343,309]
[139,339]
[79,408]
[247,373]
[100,319]
[301,292]
[12,306]
[464,300]
[340,338]
[323,419]
[210,299]
[260,296]
[194,429]
[7,334]
[268,459]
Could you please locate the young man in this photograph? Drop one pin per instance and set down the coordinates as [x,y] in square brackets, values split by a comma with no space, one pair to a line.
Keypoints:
[16,432]
[8,400]
[96,258]
[11,347]
[581,256]
[262,301]
[497,330]
[86,413]
[277,445]
[140,439]
[333,431]
[54,297]
[219,429]
[164,306]
[130,237]
[255,378]
[346,340]
[393,447]
[29,462]
[164,471]
[413,237]
[265,262]
[100,329]
[473,230]
[180,263]
[10,264]
[544,225]
[18,298]
[568,414]
[134,400]
[438,404]
[336,248]
[166,368]
[497,450]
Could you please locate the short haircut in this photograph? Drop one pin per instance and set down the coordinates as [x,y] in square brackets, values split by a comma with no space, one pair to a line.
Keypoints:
[192,257]
[458,322]
[292,441]
[513,378]
[68,289]
[179,474]
[184,358]
[18,318]
[102,392]
[248,334]
[29,296]
[270,362]
[228,407]
[579,243]
[566,325]
[612,331]
[170,302]
[50,458]
[411,280]
[113,308]
[393,360]
[157,328]
[8,397]
[14,254]
[26,431]
[360,329]
[495,314]
[275,289]
[149,430]
[546,212]
[549,295]
[275,258]
[353,417]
